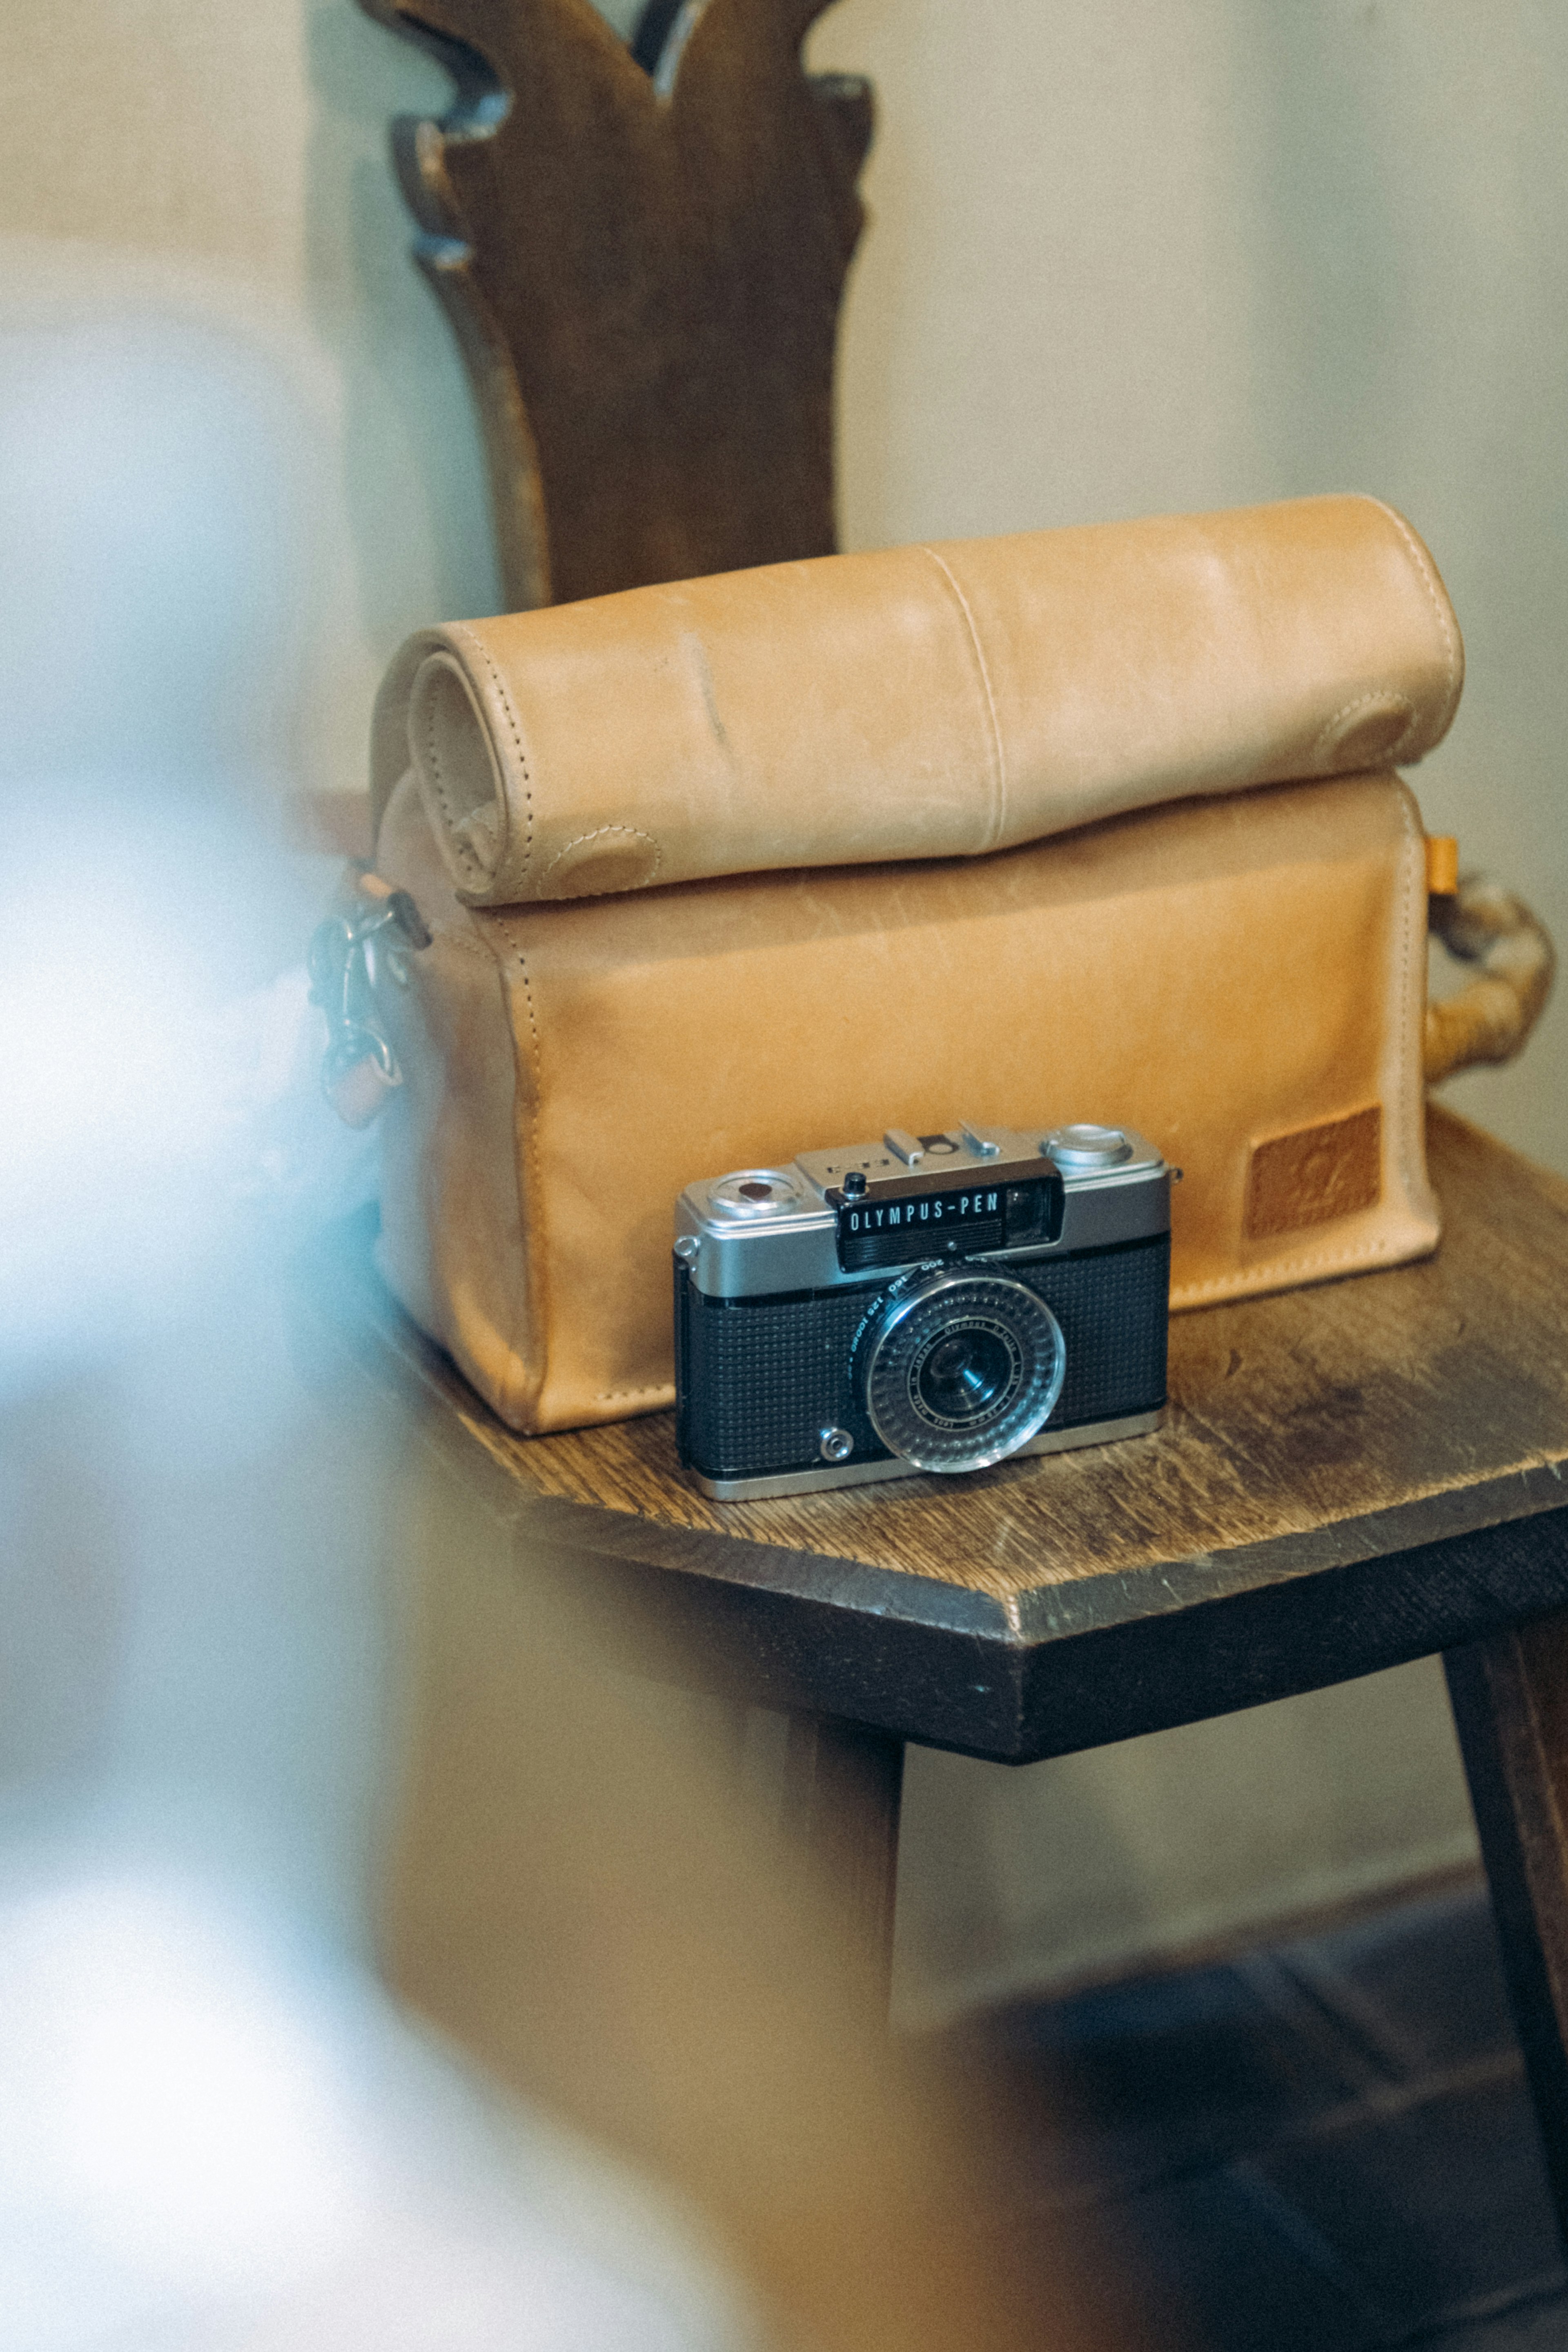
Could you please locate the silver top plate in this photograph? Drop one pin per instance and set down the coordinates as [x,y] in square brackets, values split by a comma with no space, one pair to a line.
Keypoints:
[761,1231]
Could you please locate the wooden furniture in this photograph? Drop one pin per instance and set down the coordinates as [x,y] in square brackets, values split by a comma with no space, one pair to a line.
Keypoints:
[1351,1476]
[641,251]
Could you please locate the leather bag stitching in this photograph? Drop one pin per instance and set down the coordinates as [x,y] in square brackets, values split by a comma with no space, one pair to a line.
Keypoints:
[998,756]
[1270,1270]
[1441,606]
[1361,702]
[598,833]
[1411,1067]
[532,1262]
[515,725]
[464,853]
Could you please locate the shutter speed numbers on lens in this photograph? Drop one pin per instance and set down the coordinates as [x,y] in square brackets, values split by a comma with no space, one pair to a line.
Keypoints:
[961,1368]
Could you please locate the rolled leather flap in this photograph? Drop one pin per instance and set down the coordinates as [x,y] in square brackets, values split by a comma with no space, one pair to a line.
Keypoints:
[924,702]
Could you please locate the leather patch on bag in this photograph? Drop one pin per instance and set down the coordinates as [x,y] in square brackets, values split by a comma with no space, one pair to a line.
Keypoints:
[1315,1174]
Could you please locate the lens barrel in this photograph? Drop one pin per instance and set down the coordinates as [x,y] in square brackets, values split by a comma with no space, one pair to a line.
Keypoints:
[961,1368]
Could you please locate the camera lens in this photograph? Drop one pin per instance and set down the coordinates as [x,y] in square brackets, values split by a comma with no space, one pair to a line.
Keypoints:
[965,1372]
[960,1370]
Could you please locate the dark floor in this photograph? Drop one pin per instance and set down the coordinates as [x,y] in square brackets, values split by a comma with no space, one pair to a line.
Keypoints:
[1328,2145]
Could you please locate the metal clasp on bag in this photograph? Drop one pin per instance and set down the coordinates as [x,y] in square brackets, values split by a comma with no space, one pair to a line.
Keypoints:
[374,927]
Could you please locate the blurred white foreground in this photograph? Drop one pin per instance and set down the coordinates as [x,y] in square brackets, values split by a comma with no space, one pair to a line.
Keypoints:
[215,2136]
[214,2130]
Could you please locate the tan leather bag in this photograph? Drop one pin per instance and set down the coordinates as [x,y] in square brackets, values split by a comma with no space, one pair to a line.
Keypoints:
[1082,824]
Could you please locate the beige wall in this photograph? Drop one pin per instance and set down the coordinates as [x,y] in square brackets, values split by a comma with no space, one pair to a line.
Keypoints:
[227,164]
[1126,256]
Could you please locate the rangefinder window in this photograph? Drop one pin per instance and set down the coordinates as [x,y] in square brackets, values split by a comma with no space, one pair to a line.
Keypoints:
[875,1232]
[1034,1213]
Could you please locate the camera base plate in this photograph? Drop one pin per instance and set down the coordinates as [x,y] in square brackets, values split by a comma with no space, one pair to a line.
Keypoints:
[861,1473]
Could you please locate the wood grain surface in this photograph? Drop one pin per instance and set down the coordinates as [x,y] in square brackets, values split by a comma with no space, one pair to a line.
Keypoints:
[643,273]
[1439,1389]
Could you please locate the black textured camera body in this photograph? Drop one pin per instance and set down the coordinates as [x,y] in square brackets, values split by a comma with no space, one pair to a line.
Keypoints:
[757,1379]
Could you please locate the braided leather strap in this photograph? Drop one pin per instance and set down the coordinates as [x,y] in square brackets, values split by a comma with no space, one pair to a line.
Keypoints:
[1488,1019]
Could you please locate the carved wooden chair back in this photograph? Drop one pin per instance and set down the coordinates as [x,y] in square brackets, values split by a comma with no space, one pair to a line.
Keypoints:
[643,268]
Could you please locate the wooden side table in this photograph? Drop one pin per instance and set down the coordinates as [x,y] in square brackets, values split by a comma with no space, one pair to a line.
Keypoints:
[1351,1476]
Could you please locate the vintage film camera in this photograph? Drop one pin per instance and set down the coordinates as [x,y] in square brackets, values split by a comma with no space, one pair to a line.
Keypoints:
[935,1302]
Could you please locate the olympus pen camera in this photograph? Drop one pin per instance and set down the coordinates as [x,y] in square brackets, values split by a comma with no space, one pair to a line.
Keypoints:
[933,1302]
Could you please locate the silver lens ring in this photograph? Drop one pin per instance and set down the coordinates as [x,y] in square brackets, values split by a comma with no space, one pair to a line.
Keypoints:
[961,1370]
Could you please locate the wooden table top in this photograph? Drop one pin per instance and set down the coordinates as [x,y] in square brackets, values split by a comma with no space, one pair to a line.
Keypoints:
[1349,1475]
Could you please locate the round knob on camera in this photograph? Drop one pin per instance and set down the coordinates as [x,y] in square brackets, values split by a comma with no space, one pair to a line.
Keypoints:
[751,1192]
[854,1183]
[1086,1146]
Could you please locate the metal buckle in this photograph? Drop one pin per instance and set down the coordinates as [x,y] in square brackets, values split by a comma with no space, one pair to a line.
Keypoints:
[346,955]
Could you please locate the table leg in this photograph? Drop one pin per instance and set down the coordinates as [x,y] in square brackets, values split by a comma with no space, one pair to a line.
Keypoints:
[1510,1697]
[841,1786]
